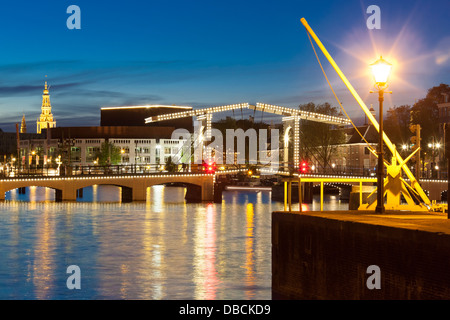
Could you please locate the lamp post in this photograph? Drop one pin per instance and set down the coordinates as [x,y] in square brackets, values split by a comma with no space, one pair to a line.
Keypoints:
[380,70]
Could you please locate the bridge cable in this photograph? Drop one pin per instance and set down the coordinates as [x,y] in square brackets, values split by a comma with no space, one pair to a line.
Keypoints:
[334,93]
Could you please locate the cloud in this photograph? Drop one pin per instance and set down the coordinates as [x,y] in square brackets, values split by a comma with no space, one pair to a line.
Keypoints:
[443,52]
[26,67]
[31,90]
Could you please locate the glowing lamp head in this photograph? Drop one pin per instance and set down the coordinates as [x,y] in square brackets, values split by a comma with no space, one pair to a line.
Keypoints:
[381,70]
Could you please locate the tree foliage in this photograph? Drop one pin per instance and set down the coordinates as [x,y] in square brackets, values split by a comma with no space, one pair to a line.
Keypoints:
[396,124]
[109,154]
[319,140]
[170,165]
[425,112]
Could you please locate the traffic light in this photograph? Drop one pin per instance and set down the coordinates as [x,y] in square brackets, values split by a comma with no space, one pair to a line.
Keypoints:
[415,140]
[304,167]
[209,167]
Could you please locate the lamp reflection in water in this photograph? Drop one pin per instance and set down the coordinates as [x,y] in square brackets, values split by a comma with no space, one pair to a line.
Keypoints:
[43,264]
[205,278]
[249,251]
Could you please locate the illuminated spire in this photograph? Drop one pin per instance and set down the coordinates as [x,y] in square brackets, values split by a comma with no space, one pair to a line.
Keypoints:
[23,125]
[46,118]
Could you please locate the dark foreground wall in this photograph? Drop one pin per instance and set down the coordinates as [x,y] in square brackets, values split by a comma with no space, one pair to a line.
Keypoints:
[326,256]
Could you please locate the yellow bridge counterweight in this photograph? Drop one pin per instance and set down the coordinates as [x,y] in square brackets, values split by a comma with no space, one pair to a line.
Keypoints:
[414,183]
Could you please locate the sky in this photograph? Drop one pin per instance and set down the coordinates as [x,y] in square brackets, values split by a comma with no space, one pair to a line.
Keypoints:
[211,53]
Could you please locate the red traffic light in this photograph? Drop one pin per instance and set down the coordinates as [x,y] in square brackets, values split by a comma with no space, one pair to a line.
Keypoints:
[209,167]
[304,167]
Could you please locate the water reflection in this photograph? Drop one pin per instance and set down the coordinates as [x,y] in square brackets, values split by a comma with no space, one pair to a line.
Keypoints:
[249,251]
[32,194]
[101,193]
[159,249]
[211,281]
[43,266]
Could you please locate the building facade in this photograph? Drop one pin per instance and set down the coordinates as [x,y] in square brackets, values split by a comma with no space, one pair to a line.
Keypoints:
[142,147]
[150,154]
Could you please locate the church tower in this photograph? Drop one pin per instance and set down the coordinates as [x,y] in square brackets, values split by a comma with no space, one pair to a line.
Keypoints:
[23,125]
[46,118]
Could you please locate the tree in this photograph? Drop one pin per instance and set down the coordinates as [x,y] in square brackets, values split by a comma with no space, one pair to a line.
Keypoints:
[319,140]
[425,112]
[396,124]
[170,165]
[108,154]
[435,94]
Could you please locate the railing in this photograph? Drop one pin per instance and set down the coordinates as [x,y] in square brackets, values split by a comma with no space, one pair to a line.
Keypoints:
[146,168]
[75,170]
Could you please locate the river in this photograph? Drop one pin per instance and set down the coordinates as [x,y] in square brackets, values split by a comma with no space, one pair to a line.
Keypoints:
[163,248]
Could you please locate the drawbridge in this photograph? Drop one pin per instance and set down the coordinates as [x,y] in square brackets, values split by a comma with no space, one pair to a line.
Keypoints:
[395,186]
[291,121]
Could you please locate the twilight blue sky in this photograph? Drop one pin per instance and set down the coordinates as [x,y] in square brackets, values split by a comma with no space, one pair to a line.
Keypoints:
[204,53]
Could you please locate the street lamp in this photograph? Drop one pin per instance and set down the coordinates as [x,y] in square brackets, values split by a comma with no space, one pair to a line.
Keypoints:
[380,70]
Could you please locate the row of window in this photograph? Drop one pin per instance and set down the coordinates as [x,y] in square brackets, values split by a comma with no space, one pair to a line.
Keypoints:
[171,141]
[121,141]
[142,141]
[142,160]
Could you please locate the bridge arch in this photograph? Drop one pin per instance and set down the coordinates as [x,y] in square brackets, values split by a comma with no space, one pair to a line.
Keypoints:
[193,190]
[125,192]
[22,187]
[134,187]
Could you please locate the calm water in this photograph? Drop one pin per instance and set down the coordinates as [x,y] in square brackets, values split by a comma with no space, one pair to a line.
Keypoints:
[159,249]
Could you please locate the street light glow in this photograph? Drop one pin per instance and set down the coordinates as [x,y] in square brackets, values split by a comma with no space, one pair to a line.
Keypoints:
[381,70]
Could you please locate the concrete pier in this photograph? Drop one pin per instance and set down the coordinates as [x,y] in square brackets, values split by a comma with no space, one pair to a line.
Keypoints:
[327,255]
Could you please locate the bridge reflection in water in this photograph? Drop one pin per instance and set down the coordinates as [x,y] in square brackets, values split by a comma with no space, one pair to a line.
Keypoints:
[163,248]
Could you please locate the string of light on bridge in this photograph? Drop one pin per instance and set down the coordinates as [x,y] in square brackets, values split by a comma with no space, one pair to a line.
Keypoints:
[285,111]
[107,177]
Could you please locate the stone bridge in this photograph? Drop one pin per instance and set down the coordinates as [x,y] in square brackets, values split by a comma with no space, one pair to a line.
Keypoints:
[200,187]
